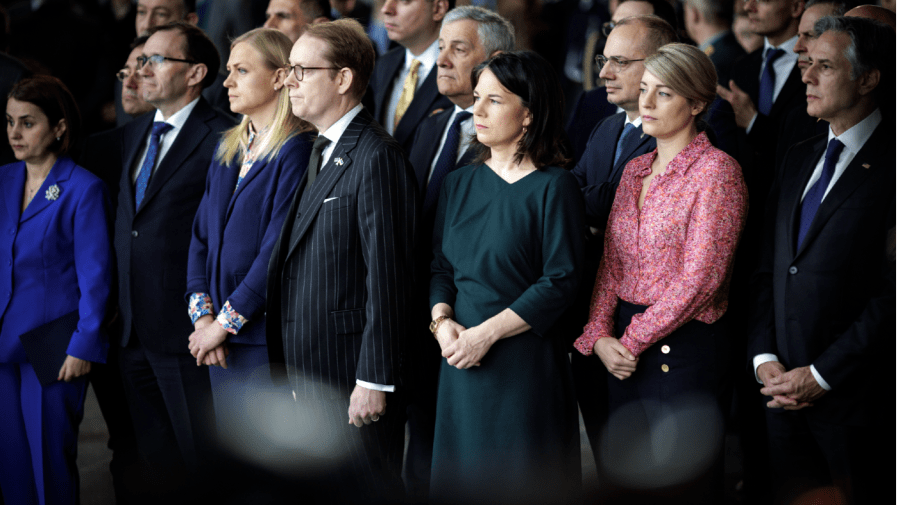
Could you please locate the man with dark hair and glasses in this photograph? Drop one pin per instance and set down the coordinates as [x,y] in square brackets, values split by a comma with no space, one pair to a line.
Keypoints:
[132,101]
[616,140]
[163,159]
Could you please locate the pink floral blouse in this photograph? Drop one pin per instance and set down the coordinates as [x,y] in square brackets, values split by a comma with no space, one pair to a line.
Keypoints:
[675,255]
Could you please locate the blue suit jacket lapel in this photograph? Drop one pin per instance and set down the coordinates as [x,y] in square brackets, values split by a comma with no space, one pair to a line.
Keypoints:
[59,174]
[13,187]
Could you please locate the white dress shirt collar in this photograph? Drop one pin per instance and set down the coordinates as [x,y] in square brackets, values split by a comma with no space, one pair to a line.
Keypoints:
[336,131]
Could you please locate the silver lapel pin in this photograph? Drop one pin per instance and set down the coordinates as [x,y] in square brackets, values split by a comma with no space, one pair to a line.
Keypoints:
[338,161]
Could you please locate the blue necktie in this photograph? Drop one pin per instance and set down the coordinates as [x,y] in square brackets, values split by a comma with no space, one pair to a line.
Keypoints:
[146,170]
[628,129]
[814,197]
[447,160]
[768,82]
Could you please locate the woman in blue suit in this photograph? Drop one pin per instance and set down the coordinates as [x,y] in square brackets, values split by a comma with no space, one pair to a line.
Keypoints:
[54,259]
[250,186]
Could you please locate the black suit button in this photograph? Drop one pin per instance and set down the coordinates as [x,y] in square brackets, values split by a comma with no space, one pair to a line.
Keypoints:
[134,233]
[793,270]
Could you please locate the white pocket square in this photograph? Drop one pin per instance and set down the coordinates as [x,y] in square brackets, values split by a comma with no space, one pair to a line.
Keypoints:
[329,199]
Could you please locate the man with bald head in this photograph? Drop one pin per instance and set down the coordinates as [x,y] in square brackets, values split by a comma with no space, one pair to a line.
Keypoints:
[875,13]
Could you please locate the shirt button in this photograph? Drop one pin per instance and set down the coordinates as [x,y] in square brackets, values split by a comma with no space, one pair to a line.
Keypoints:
[134,233]
[665,349]
[793,270]
[665,368]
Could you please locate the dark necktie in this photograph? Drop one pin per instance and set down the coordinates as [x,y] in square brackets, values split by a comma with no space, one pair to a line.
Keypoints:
[621,142]
[146,170]
[447,160]
[315,161]
[814,197]
[768,82]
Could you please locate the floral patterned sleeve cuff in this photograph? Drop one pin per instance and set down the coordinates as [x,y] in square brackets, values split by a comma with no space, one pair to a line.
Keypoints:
[634,345]
[586,343]
[230,320]
[200,305]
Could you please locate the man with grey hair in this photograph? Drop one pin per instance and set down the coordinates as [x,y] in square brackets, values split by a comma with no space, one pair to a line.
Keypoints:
[468,36]
[823,337]
[814,10]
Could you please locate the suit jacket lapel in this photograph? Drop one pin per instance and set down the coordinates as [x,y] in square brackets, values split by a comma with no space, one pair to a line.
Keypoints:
[226,182]
[188,139]
[133,140]
[13,187]
[390,63]
[428,150]
[58,175]
[426,94]
[313,196]
[635,141]
[853,176]
[792,87]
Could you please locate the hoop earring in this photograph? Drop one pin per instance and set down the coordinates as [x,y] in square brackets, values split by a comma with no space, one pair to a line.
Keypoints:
[58,139]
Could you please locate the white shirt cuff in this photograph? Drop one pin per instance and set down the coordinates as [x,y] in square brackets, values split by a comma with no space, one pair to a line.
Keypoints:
[759,360]
[751,123]
[819,379]
[376,387]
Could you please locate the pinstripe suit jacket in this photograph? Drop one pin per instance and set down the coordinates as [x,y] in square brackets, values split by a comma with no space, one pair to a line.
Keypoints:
[341,275]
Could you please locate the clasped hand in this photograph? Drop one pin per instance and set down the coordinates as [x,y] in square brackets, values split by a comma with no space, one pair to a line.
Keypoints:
[792,390]
[616,357]
[463,347]
[207,343]
[72,368]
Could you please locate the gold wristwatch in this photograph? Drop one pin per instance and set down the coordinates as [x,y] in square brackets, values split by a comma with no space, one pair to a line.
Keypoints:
[435,324]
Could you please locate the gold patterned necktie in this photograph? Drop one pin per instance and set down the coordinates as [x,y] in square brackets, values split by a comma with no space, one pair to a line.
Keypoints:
[408,92]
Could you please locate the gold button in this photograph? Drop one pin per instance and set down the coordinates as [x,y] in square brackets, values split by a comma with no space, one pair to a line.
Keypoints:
[665,349]
[665,368]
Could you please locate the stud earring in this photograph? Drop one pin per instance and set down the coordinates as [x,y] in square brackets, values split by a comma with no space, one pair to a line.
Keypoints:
[58,139]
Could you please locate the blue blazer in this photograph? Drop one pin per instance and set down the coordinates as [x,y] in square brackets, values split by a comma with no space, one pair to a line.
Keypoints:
[55,257]
[234,232]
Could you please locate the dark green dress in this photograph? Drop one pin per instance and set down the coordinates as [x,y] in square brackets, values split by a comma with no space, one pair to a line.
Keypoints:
[507,431]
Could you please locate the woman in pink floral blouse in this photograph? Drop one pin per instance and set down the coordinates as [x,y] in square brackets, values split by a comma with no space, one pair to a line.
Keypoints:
[655,318]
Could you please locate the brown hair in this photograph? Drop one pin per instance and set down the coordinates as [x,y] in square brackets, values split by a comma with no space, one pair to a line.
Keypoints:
[198,48]
[55,100]
[347,47]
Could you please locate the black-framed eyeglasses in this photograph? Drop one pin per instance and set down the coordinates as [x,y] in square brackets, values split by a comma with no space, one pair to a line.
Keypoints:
[607,26]
[126,73]
[156,60]
[299,70]
[618,64]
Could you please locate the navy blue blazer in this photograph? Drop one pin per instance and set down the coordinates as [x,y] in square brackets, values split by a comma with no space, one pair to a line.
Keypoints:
[234,232]
[592,106]
[427,98]
[57,256]
[597,177]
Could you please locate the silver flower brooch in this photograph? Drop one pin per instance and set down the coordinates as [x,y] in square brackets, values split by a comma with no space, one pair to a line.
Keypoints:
[52,192]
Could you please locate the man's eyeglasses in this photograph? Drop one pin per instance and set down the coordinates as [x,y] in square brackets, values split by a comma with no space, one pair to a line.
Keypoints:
[607,26]
[126,73]
[299,70]
[617,64]
[156,60]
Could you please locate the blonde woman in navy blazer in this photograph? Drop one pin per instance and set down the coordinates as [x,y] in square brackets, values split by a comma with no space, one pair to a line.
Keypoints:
[250,186]
[54,259]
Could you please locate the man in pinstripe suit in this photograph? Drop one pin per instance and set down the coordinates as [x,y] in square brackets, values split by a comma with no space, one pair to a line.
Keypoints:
[340,279]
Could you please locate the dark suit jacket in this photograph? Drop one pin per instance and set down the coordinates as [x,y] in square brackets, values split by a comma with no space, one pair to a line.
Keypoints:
[595,173]
[59,259]
[427,98]
[591,107]
[234,233]
[723,53]
[152,243]
[341,274]
[423,153]
[831,301]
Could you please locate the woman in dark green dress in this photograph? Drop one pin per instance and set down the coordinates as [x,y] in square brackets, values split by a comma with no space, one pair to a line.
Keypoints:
[508,246]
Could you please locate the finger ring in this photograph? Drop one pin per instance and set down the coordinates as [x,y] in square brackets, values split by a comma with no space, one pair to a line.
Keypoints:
[375,418]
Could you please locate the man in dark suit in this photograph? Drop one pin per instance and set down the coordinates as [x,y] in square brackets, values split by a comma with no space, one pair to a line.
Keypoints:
[708,24]
[442,144]
[341,274]
[165,158]
[823,337]
[404,82]
[615,141]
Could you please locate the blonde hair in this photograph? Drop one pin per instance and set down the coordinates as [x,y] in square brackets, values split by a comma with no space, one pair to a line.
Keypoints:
[687,71]
[274,47]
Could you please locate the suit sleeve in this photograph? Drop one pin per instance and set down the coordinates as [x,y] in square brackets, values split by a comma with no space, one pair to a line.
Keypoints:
[93,263]
[249,297]
[387,217]
[199,240]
